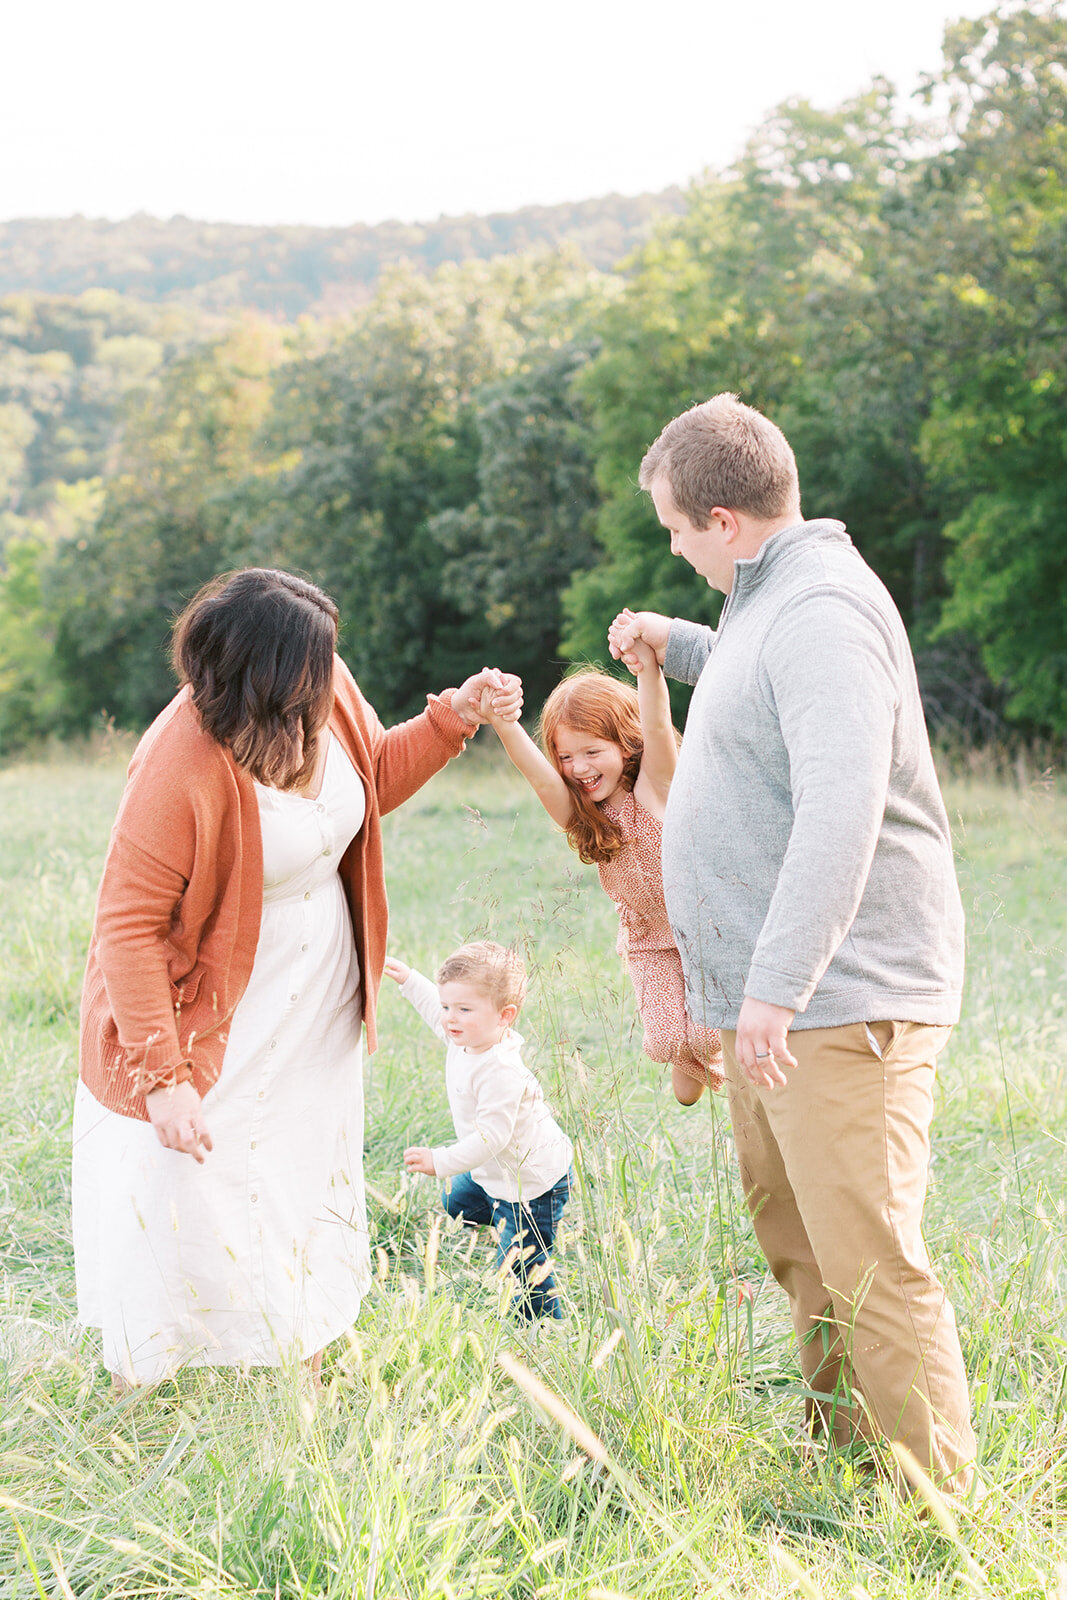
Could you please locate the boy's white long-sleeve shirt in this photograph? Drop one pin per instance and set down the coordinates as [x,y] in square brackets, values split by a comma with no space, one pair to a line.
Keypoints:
[506,1137]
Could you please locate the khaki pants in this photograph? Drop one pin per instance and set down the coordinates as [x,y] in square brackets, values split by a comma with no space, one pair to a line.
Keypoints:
[834,1170]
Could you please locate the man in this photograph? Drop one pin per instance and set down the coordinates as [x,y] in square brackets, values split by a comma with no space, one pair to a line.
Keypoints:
[809,879]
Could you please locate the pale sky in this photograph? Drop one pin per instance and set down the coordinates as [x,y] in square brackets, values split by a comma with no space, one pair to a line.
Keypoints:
[341,111]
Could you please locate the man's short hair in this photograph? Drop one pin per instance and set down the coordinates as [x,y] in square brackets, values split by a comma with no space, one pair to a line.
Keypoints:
[723,453]
[488,966]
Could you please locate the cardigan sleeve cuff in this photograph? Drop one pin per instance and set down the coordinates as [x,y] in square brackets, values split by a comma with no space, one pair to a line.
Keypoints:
[448,724]
[155,1067]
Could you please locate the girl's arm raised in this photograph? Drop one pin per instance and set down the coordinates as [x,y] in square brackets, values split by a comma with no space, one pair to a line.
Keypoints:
[538,771]
[661,748]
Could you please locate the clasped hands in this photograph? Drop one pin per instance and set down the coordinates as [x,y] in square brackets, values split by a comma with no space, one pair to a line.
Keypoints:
[494,696]
[489,693]
[634,632]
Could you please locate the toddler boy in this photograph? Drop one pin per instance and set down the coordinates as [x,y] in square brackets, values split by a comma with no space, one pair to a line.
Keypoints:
[510,1164]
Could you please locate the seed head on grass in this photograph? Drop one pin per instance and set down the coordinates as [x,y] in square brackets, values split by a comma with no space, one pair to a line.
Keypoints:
[557,1408]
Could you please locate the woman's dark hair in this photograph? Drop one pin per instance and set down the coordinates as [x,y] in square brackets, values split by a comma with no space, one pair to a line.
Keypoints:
[257,648]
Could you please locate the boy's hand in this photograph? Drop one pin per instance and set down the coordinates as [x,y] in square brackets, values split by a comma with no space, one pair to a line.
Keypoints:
[396,970]
[417,1158]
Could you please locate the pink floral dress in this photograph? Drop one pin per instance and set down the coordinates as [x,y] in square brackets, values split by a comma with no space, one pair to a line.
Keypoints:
[634,880]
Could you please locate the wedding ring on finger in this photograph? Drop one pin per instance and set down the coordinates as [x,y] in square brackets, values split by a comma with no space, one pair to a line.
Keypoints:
[763,1056]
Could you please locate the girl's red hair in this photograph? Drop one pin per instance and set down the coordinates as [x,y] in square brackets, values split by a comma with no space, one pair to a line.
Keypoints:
[592,702]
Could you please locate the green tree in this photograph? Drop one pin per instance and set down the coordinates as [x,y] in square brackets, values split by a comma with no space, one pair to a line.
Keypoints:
[32,691]
[761,288]
[169,522]
[996,440]
[510,554]
[394,428]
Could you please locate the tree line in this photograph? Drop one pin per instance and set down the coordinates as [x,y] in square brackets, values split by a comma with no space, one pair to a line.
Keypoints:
[456,461]
[287,271]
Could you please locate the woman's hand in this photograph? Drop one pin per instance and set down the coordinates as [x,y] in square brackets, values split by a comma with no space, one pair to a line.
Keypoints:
[396,970]
[506,690]
[175,1112]
[417,1158]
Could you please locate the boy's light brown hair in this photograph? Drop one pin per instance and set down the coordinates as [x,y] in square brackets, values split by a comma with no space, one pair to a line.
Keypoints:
[724,453]
[488,966]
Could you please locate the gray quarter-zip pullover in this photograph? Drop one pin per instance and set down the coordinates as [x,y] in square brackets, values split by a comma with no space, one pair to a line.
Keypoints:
[807,859]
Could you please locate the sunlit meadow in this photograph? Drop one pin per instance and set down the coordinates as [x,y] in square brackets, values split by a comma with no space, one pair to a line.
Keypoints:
[643,1447]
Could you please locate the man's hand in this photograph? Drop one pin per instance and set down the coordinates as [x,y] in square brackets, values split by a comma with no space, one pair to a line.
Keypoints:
[629,626]
[761,1046]
[640,656]
[417,1158]
[506,691]
[175,1112]
[396,970]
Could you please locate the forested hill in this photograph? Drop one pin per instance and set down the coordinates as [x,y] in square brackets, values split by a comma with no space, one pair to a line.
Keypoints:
[287,271]
[454,457]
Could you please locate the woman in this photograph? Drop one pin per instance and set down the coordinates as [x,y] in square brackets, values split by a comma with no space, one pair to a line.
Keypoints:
[238,946]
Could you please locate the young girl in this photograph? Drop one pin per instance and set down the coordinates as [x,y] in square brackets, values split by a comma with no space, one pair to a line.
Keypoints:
[611,755]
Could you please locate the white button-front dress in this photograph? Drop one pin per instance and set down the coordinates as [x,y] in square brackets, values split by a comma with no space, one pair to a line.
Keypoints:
[262,1253]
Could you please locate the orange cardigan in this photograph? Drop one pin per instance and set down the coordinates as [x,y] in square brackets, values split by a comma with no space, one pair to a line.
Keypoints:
[178,913]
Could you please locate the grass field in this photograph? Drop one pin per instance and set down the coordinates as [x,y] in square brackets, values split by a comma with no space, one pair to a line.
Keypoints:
[430,1467]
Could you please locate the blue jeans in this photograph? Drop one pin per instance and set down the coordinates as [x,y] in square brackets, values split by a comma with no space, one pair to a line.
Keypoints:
[527,1228]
